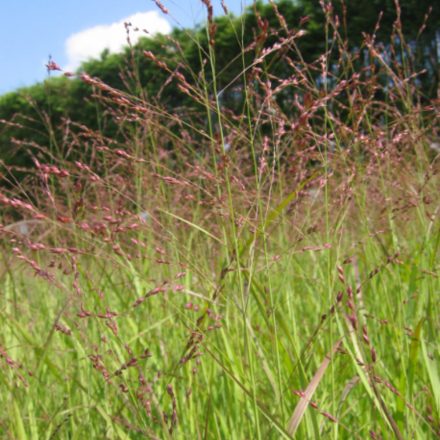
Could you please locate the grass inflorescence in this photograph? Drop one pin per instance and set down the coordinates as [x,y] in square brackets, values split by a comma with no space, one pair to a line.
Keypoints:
[233,274]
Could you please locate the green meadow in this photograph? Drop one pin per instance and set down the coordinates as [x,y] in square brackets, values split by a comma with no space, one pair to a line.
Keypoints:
[260,261]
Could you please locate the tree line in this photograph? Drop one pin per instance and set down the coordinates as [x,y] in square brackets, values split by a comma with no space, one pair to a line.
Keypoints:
[30,117]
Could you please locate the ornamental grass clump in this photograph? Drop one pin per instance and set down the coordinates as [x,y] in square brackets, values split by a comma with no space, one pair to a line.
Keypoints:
[259,262]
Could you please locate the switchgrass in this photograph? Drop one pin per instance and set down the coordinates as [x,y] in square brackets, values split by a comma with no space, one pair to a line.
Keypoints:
[256,275]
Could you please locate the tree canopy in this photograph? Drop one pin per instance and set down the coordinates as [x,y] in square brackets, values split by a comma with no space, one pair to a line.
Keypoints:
[30,116]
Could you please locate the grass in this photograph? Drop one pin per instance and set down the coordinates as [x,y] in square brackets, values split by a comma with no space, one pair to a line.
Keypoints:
[287,287]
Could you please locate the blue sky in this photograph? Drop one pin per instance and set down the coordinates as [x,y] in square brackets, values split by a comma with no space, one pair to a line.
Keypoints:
[69,30]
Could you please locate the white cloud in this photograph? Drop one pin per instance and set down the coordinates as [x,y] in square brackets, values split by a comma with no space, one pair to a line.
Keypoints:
[90,42]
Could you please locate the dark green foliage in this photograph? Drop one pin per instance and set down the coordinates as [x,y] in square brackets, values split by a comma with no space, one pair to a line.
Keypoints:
[39,109]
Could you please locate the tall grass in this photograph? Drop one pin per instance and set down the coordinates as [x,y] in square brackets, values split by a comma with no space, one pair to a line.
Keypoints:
[259,274]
